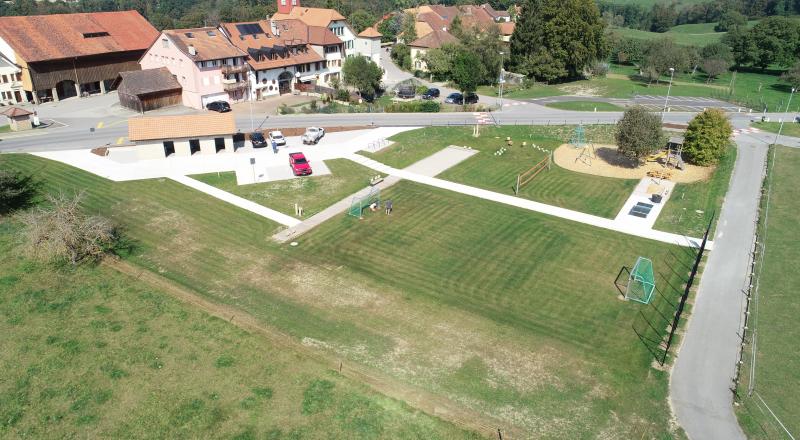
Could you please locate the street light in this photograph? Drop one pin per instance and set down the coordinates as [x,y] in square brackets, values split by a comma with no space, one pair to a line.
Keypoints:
[785,114]
[501,80]
[666,100]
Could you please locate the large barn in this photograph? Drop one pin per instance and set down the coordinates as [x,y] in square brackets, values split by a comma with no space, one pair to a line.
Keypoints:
[65,55]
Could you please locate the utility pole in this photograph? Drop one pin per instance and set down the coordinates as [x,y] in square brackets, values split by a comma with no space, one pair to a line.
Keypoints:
[786,113]
[666,101]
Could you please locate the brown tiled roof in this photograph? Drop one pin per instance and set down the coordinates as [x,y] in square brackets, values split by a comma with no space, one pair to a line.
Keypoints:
[434,21]
[370,32]
[58,36]
[178,127]
[475,16]
[311,16]
[267,40]
[434,40]
[506,28]
[15,112]
[493,12]
[209,43]
[142,82]
[422,29]
[316,35]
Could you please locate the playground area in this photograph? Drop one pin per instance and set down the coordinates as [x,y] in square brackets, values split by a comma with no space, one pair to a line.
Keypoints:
[608,162]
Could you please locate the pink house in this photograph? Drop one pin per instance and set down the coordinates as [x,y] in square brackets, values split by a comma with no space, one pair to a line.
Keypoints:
[205,63]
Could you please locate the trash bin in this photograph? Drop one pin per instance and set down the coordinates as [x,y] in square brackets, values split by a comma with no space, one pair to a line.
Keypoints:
[656,198]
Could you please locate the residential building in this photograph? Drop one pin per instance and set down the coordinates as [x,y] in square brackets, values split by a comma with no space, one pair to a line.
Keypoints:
[368,44]
[506,30]
[149,89]
[205,63]
[186,135]
[421,46]
[65,55]
[498,16]
[280,56]
[430,18]
[318,17]
[10,83]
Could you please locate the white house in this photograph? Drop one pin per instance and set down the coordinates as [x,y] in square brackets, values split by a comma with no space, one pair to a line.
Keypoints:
[10,83]
[319,17]
[185,135]
[368,44]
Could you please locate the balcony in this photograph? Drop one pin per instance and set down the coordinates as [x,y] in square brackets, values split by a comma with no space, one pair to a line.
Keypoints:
[226,69]
[231,85]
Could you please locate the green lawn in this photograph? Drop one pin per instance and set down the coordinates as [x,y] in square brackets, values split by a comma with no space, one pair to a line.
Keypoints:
[680,215]
[5,128]
[312,193]
[586,106]
[774,315]
[790,128]
[509,312]
[91,353]
[582,192]
[513,92]
[689,35]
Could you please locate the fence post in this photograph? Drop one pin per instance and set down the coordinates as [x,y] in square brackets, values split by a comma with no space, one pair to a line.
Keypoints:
[516,189]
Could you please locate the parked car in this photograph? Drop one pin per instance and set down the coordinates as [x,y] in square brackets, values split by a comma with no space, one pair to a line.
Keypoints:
[471,98]
[299,164]
[277,137]
[218,106]
[406,92]
[257,139]
[431,93]
[313,135]
[458,98]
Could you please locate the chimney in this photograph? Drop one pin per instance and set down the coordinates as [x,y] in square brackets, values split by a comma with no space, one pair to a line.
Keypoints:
[285,6]
[192,50]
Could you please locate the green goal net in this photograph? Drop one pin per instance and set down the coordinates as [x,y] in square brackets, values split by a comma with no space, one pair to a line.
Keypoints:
[363,201]
[641,282]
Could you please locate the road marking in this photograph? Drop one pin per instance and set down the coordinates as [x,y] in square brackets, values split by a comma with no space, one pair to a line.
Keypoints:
[120,140]
[100,124]
[116,122]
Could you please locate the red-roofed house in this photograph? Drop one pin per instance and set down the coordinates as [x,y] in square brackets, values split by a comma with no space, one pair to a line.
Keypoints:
[318,17]
[64,55]
[433,40]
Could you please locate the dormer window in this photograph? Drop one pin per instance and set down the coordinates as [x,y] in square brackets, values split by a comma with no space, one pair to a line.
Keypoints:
[95,34]
[211,33]
[189,35]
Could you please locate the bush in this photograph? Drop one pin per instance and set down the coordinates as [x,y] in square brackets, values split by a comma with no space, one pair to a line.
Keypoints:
[16,191]
[285,110]
[413,107]
[342,95]
[421,89]
[706,138]
[639,133]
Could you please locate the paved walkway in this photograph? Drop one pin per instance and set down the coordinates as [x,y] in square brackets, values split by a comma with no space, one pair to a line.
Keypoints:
[642,194]
[702,379]
[235,200]
[556,211]
[430,166]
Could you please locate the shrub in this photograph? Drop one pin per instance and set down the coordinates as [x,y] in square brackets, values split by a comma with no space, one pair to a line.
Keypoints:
[285,110]
[639,133]
[707,137]
[342,95]
[413,107]
[16,191]
[421,89]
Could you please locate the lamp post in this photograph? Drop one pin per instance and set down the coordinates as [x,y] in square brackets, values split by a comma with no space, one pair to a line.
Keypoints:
[501,81]
[666,100]
[786,112]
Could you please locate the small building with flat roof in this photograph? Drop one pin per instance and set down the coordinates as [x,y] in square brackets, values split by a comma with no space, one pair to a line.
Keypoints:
[186,135]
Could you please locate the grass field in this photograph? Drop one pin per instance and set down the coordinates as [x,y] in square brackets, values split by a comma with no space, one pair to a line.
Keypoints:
[680,214]
[508,312]
[582,192]
[774,315]
[688,34]
[534,91]
[790,128]
[91,353]
[586,106]
[312,193]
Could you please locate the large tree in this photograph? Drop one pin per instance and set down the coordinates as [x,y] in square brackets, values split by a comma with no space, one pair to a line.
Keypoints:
[639,133]
[662,54]
[707,137]
[360,20]
[730,20]
[773,40]
[16,191]
[466,70]
[363,74]
[556,39]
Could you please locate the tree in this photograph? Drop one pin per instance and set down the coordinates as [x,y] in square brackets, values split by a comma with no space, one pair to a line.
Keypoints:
[639,133]
[792,76]
[456,28]
[401,54]
[390,27]
[730,20]
[627,50]
[440,61]
[662,17]
[556,39]
[662,54]
[63,232]
[487,46]
[773,40]
[466,70]
[714,67]
[707,137]
[360,20]
[717,50]
[409,28]
[363,74]
[16,191]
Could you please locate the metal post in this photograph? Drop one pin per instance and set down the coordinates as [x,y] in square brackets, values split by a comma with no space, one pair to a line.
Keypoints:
[785,113]
[669,88]
[501,80]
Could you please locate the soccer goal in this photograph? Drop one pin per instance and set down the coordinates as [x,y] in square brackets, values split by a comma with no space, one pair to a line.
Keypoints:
[641,282]
[360,202]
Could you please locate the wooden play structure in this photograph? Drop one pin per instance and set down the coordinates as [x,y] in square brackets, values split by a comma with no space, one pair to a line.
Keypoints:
[670,156]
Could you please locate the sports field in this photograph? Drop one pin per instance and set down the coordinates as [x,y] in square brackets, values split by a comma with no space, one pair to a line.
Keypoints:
[581,192]
[773,316]
[313,193]
[92,353]
[503,311]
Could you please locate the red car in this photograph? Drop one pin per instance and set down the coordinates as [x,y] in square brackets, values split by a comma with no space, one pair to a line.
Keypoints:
[299,164]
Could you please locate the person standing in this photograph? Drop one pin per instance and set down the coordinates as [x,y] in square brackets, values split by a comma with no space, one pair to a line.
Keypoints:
[388,205]
[274,146]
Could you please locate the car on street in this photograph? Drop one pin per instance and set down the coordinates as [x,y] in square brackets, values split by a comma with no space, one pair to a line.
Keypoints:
[218,106]
[277,137]
[458,98]
[299,164]
[431,93]
[313,135]
[406,92]
[257,139]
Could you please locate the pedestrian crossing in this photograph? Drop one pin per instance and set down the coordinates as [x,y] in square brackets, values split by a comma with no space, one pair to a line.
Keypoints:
[740,131]
[483,118]
[514,104]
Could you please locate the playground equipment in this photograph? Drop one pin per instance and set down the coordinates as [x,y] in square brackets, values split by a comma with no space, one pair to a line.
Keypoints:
[578,141]
[670,156]
[364,201]
[641,281]
[528,175]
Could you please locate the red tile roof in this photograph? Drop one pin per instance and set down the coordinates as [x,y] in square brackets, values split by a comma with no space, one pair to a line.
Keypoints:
[58,36]
[311,16]
[208,42]
[370,32]
[15,112]
[506,28]
[182,126]
[434,40]
[287,37]
[316,35]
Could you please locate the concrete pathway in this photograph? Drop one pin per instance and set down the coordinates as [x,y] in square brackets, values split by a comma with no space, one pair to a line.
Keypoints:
[702,379]
[235,200]
[430,166]
[642,194]
[556,211]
